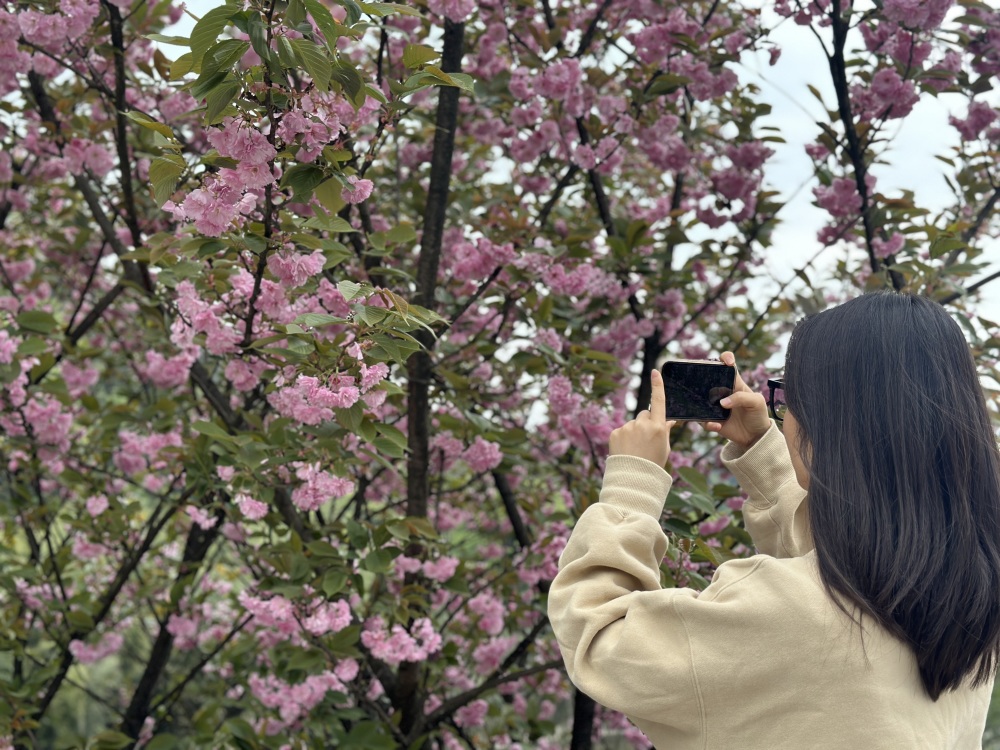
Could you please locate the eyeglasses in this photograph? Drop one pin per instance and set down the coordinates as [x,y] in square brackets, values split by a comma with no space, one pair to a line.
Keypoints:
[776,398]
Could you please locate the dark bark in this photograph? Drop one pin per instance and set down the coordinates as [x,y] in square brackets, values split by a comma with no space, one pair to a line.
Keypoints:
[420,368]
[583,722]
[513,512]
[855,150]
[198,543]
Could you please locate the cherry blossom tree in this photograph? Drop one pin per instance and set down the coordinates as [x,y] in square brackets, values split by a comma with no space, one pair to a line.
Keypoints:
[316,322]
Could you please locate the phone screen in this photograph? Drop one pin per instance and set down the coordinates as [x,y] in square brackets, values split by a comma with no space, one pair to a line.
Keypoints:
[694,390]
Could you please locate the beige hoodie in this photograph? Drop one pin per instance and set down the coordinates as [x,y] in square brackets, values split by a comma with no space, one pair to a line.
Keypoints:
[760,660]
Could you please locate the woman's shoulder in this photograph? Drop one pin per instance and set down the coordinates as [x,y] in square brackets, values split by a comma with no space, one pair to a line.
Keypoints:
[763,577]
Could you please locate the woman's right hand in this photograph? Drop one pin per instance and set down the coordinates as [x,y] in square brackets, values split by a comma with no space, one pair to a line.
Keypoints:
[748,417]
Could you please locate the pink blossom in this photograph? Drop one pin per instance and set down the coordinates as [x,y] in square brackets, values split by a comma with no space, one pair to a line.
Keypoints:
[490,611]
[482,455]
[562,400]
[356,191]
[212,212]
[475,262]
[96,505]
[252,509]
[294,269]
[109,644]
[167,372]
[201,518]
[244,374]
[8,347]
[184,630]
[318,486]
[83,154]
[454,10]
[889,96]
[917,14]
[709,528]
[78,379]
[472,714]
[441,569]
[405,565]
[891,246]
[329,617]
[49,423]
[490,654]
[560,80]
[839,198]
[241,142]
[398,645]
[372,376]
[980,116]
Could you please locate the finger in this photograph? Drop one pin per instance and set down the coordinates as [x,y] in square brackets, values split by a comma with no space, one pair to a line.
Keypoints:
[713,426]
[738,385]
[658,400]
[743,400]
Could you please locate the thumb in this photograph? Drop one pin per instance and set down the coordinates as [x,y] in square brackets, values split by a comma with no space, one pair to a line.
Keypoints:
[743,400]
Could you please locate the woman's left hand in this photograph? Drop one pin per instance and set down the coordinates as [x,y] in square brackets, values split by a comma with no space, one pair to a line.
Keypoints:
[648,435]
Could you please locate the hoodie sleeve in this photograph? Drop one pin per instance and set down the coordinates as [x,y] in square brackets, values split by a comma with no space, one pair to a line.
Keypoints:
[777,512]
[628,643]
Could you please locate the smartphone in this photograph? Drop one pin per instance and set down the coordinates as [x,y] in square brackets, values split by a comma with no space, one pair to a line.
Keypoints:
[694,388]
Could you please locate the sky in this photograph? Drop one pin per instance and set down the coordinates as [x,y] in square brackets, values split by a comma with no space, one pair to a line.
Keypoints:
[911,157]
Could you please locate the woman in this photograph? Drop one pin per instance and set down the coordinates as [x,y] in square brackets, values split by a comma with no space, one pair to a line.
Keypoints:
[871,616]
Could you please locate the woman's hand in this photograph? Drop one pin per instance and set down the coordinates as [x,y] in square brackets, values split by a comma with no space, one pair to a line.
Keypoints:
[748,418]
[648,435]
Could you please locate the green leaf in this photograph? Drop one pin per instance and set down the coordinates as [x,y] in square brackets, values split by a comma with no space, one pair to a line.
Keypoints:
[330,224]
[207,30]
[666,83]
[32,346]
[258,36]
[679,527]
[350,419]
[317,65]
[353,11]
[241,730]
[148,122]
[219,99]
[334,581]
[302,179]
[388,447]
[210,429]
[945,245]
[37,321]
[111,740]
[415,55]
[315,320]
[694,477]
[380,10]
[350,289]
[378,561]
[348,77]
[223,56]
[178,41]
[163,173]
[393,434]
[295,14]
[401,234]
[329,194]
[181,66]
[163,742]
[325,21]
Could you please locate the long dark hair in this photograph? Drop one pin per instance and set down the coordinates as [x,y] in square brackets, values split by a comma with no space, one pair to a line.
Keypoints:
[904,471]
